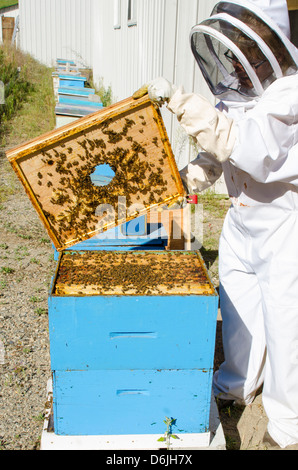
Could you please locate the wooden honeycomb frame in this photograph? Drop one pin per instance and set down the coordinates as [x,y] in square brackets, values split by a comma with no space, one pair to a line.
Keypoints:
[93,273]
[55,171]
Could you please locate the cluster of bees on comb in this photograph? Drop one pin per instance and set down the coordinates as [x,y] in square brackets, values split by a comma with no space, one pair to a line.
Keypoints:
[143,273]
[68,166]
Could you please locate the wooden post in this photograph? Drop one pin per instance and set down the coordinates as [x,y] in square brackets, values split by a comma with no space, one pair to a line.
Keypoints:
[7,28]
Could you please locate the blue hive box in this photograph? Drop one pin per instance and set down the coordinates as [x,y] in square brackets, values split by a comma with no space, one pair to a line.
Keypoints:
[127,350]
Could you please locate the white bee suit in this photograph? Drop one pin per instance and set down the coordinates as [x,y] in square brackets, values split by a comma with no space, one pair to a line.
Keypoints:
[254,141]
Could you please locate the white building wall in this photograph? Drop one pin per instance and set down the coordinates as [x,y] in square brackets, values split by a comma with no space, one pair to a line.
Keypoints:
[158,45]
[51,29]
[122,56]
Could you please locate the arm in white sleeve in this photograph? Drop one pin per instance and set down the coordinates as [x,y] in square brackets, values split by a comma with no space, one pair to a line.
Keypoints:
[267,143]
[201,173]
[214,131]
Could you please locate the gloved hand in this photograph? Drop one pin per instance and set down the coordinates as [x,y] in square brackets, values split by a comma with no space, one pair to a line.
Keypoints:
[159,90]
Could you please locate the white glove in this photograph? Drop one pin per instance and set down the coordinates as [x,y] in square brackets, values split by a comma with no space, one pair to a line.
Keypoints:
[159,91]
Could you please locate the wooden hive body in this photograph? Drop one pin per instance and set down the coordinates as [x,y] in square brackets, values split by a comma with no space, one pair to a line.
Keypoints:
[132,341]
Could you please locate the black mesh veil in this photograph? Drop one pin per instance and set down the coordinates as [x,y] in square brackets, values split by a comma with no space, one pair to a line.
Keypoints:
[238,52]
[258,25]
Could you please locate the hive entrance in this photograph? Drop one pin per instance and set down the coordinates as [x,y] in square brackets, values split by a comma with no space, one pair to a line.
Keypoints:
[102,175]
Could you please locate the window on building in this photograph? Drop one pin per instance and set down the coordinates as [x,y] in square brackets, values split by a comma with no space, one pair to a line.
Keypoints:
[132,13]
[293,14]
[117,14]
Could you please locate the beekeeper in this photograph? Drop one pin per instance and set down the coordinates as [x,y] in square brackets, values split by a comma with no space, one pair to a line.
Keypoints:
[250,65]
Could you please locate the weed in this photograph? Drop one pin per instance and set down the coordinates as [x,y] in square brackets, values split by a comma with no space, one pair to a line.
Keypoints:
[21,252]
[16,89]
[20,370]
[27,350]
[6,270]
[105,94]
[9,227]
[40,311]
[45,240]
[35,299]
[169,422]
[25,237]
[39,417]
[29,101]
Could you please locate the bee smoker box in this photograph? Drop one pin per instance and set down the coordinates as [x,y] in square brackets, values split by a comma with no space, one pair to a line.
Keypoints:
[132,341]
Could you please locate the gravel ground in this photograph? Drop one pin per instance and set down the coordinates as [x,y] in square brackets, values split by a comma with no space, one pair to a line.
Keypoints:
[26,267]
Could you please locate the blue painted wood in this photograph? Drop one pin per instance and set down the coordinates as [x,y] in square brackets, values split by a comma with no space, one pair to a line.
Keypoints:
[71,80]
[76,111]
[79,91]
[65,61]
[127,236]
[131,402]
[78,101]
[69,76]
[132,332]
[135,227]
[113,246]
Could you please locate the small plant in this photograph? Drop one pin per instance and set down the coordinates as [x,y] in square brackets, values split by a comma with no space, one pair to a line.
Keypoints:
[45,240]
[21,252]
[40,311]
[5,270]
[39,417]
[104,93]
[35,299]
[169,422]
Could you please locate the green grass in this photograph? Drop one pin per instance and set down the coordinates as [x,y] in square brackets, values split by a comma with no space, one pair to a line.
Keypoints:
[214,204]
[29,98]
[214,207]
[16,88]
[28,112]
[8,3]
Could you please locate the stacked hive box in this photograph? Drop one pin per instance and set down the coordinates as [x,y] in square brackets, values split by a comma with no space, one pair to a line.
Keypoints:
[74,99]
[132,326]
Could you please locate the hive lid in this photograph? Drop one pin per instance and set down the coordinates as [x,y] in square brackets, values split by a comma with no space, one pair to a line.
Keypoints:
[56,170]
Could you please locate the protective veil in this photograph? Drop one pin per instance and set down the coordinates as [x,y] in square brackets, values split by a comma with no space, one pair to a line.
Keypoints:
[250,65]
